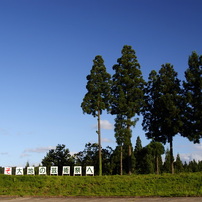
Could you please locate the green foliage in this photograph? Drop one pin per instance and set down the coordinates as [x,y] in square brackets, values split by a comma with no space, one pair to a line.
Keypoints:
[192,116]
[144,160]
[166,165]
[98,96]
[135,185]
[193,166]
[98,88]
[107,160]
[89,157]
[138,153]
[178,164]
[148,158]
[127,89]
[138,145]
[162,111]
[127,97]
[163,103]
[58,157]
[121,130]
[156,149]
[146,165]
[127,85]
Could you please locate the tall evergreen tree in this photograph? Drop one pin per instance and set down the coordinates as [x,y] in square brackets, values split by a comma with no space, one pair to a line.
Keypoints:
[145,161]
[116,164]
[98,96]
[166,165]
[185,167]
[178,164]
[138,145]
[148,164]
[193,166]
[162,111]
[199,166]
[138,154]
[127,93]
[192,128]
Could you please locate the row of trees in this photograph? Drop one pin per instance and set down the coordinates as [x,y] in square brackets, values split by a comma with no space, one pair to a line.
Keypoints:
[145,160]
[168,106]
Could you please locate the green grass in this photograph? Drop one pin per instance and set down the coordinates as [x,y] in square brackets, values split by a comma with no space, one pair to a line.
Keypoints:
[187,184]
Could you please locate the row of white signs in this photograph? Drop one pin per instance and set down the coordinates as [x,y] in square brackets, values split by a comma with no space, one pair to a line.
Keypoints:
[53,170]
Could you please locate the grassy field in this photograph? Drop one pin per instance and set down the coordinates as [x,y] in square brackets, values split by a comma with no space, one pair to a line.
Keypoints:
[187,184]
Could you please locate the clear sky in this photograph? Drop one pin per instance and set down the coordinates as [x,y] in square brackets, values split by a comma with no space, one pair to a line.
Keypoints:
[46,52]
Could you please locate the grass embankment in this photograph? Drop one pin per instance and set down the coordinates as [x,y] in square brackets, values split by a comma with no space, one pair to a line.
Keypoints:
[135,185]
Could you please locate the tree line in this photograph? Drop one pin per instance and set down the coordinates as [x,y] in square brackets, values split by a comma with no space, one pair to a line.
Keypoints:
[168,106]
[145,160]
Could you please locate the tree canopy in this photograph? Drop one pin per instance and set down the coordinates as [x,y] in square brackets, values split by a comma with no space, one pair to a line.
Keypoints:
[162,111]
[192,116]
[60,156]
[98,89]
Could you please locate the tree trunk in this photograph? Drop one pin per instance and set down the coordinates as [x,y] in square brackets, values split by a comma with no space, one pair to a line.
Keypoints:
[157,165]
[129,159]
[121,161]
[129,149]
[171,156]
[99,143]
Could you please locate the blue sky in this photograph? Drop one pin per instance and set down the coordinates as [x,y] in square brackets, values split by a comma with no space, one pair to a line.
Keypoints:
[46,52]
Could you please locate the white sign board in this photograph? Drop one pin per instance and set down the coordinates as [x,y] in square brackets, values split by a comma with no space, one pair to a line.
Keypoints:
[66,170]
[42,170]
[77,170]
[8,171]
[30,171]
[54,170]
[89,170]
[19,171]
